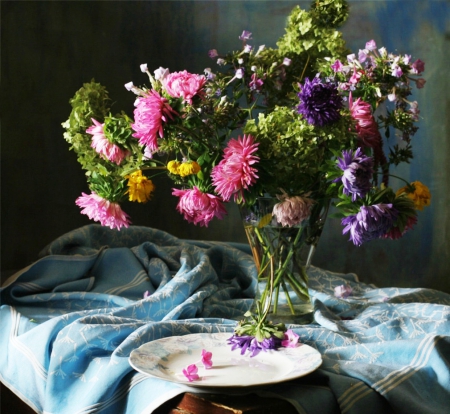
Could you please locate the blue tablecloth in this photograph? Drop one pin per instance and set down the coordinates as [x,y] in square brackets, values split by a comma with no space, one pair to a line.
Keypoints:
[69,321]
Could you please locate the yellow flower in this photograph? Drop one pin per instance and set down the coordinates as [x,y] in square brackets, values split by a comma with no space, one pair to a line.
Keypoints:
[417,192]
[188,168]
[140,187]
[172,166]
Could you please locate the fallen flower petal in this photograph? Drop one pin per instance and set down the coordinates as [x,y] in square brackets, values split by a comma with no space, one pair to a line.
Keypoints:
[190,372]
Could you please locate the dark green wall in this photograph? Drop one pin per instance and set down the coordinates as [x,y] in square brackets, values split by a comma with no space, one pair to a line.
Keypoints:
[50,48]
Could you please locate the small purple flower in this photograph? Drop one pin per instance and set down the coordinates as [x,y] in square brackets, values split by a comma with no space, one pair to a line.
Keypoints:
[246,35]
[362,55]
[287,61]
[396,71]
[290,339]
[256,83]
[320,102]
[357,173]
[371,222]
[213,53]
[337,66]
[248,48]
[418,66]
[206,359]
[248,342]
[190,372]
[371,45]
[343,291]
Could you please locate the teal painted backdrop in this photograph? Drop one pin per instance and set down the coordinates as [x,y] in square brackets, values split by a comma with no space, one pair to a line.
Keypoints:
[49,48]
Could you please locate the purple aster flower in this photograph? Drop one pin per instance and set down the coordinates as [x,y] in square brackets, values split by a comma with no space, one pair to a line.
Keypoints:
[248,342]
[371,222]
[319,102]
[357,173]
[246,35]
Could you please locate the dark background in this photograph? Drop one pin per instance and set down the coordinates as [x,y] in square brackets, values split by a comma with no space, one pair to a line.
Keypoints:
[50,48]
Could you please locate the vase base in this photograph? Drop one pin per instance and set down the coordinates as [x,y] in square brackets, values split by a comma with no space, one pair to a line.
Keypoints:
[304,314]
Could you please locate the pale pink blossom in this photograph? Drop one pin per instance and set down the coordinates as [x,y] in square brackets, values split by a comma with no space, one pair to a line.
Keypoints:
[290,339]
[101,144]
[184,85]
[235,173]
[150,113]
[291,211]
[198,207]
[366,126]
[99,209]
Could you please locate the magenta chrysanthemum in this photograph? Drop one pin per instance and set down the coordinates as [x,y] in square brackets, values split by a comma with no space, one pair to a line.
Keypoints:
[150,113]
[235,173]
[198,207]
[102,145]
[366,126]
[184,85]
[106,212]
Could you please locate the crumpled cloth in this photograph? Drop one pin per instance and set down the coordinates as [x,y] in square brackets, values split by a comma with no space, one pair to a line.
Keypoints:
[69,321]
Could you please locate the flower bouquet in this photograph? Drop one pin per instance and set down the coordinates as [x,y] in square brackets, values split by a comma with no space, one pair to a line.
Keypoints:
[296,127]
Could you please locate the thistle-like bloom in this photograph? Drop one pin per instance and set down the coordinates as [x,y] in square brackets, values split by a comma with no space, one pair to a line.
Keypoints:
[140,187]
[184,85]
[343,291]
[206,359]
[291,211]
[320,102]
[235,173]
[190,372]
[366,126]
[357,173]
[290,339]
[198,207]
[101,144]
[371,222]
[150,113]
[106,212]
[417,192]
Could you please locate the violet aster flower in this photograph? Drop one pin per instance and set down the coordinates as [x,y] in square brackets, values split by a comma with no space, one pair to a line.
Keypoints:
[357,173]
[235,172]
[371,222]
[248,342]
[319,102]
[198,207]
[104,211]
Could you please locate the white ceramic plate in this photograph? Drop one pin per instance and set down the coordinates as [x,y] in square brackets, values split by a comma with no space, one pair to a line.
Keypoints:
[165,359]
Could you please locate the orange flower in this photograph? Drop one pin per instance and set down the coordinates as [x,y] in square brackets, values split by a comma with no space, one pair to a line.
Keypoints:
[417,192]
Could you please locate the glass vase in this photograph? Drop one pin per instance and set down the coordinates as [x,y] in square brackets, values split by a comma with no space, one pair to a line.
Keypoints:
[282,256]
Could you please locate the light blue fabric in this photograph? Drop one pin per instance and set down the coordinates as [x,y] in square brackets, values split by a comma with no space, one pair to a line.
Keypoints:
[69,321]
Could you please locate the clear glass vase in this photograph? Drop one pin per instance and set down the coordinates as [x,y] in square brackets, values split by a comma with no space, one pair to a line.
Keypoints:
[282,256]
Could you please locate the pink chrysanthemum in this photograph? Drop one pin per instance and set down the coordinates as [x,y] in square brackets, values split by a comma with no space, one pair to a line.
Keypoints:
[184,85]
[235,173]
[366,126]
[198,207]
[106,212]
[291,211]
[150,113]
[102,145]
